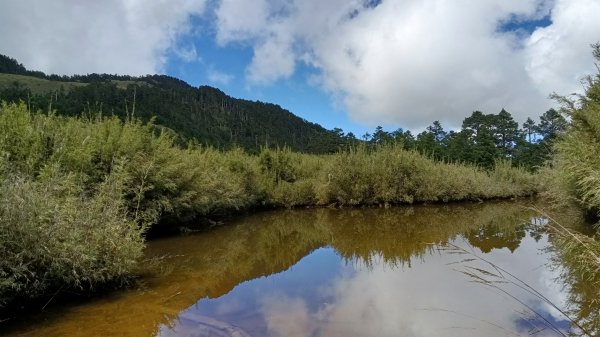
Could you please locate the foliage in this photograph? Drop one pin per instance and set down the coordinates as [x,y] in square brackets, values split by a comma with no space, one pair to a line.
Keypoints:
[205,113]
[578,152]
[576,173]
[55,237]
[388,175]
[77,193]
[483,140]
[212,118]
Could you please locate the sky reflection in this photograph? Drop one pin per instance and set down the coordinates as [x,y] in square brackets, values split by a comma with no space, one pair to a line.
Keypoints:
[326,295]
[326,272]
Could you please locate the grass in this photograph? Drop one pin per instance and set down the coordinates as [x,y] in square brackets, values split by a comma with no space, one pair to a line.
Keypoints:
[77,194]
[386,175]
[43,86]
[577,160]
[36,85]
[53,236]
[574,179]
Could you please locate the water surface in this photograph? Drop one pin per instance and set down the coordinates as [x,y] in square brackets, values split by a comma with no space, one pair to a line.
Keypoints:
[454,270]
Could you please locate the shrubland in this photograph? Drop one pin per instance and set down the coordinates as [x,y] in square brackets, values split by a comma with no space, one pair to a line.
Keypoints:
[573,179]
[77,194]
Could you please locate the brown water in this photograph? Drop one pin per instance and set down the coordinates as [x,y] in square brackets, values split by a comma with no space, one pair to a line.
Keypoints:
[418,271]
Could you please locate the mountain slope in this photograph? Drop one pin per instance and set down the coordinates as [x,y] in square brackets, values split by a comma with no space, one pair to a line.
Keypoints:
[205,113]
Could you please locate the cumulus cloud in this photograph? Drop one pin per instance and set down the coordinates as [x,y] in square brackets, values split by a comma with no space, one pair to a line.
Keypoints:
[391,62]
[558,56]
[218,77]
[73,37]
[414,61]
[188,54]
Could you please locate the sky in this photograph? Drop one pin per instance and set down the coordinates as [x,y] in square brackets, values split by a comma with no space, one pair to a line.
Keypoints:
[353,64]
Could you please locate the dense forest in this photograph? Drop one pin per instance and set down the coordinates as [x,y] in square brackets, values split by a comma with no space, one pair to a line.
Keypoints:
[211,117]
[205,113]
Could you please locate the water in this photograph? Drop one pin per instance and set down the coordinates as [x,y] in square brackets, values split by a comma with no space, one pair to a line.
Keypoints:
[459,270]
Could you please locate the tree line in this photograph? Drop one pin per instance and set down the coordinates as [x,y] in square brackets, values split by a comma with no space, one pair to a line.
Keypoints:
[208,116]
[482,140]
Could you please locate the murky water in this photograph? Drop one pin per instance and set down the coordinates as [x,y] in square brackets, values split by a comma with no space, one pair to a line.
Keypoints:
[458,270]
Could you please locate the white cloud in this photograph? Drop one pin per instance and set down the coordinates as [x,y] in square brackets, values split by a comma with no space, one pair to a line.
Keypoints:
[272,60]
[218,77]
[414,61]
[188,54]
[404,62]
[68,37]
[286,316]
[240,20]
[559,55]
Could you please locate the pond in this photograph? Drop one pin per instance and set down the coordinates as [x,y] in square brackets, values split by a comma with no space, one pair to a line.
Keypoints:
[450,270]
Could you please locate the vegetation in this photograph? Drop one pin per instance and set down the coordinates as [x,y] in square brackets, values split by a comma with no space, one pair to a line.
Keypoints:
[212,118]
[54,237]
[581,256]
[205,113]
[574,178]
[483,139]
[77,193]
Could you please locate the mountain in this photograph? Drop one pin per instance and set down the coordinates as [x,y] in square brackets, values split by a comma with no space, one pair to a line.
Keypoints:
[205,114]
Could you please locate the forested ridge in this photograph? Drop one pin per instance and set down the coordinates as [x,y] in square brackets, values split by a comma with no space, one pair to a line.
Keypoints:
[210,117]
[205,114]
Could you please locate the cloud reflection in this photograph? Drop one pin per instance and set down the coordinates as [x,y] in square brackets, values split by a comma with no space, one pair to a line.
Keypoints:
[389,274]
[286,316]
[424,300]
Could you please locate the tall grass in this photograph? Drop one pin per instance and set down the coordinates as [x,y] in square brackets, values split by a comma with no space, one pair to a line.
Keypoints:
[53,236]
[389,175]
[575,179]
[78,193]
[578,152]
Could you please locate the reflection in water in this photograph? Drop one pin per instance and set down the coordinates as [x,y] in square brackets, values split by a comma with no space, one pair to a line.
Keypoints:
[378,299]
[371,272]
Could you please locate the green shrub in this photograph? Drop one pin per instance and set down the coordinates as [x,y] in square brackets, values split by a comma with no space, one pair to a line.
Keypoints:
[78,192]
[392,175]
[53,237]
[574,178]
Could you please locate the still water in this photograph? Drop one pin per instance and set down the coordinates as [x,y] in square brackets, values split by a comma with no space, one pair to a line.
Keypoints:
[455,270]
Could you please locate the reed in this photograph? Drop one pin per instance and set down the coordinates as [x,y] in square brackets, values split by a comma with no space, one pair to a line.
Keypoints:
[94,184]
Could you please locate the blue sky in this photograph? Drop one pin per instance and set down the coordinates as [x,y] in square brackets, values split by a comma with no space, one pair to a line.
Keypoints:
[295,93]
[353,64]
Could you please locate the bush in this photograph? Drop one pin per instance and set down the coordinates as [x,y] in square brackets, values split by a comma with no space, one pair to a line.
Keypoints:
[575,178]
[77,193]
[53,237]
[392,175]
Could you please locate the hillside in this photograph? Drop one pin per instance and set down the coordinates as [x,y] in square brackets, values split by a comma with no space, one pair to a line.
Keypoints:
[206,114]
